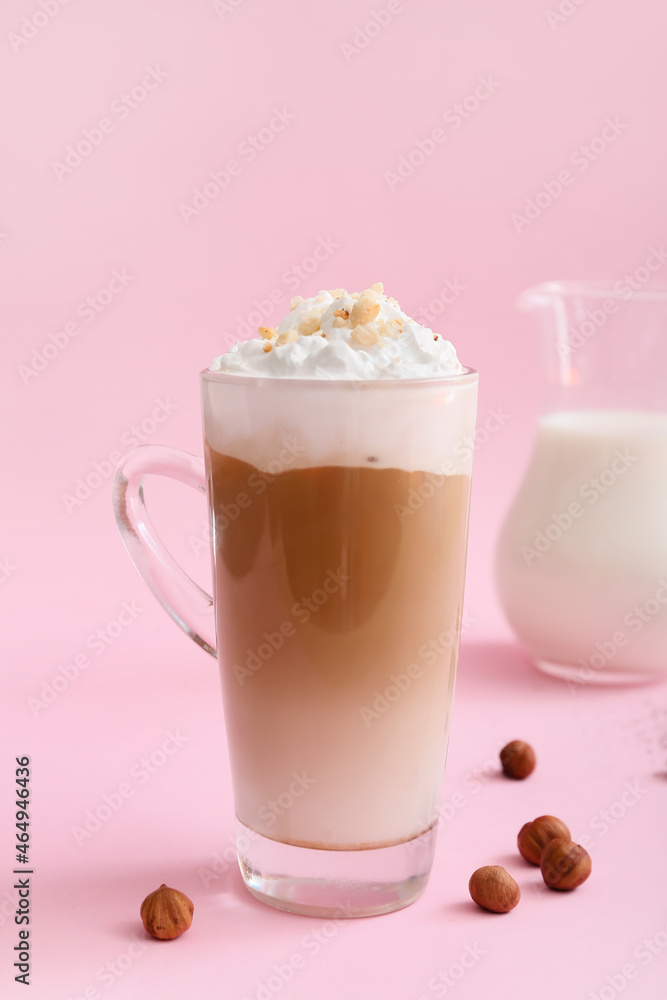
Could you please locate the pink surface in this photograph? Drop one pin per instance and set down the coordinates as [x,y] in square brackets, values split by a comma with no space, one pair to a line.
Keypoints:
[158,96]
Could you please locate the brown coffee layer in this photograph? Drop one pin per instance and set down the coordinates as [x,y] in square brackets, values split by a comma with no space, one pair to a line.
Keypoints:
[333,586]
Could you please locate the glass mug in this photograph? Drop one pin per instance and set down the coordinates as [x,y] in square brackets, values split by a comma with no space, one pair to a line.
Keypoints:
[339,518]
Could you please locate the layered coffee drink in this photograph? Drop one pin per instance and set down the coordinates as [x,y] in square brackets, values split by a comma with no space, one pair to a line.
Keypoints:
[339,548]
[338,458]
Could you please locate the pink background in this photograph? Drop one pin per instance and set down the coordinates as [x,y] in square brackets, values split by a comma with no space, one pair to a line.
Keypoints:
[218,75]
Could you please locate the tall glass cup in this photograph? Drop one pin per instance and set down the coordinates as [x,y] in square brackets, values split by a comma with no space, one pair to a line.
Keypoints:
[339,516]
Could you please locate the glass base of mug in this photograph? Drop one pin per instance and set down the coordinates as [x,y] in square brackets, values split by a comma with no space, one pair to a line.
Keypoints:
[584,676]
[334,884]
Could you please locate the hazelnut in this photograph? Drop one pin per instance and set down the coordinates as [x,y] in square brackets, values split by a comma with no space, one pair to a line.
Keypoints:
[517,759]
[534,836]
[166,913]
[308,326]
[288,337]
[494,889]
[364,310]
[564,864]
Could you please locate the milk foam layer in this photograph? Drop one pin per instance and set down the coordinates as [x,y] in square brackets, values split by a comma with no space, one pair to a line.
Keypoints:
[338,335]
[355,406]
[425,427]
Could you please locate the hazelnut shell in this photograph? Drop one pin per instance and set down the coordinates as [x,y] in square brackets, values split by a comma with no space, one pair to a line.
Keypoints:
[166,913]
[494,889]
[564,864]
[533,837]
[517,759]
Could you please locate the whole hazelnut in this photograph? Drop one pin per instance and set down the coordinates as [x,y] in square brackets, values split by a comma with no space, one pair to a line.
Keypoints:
[533,837]
[564,864]
[494,889]
[517,759]
[166,913]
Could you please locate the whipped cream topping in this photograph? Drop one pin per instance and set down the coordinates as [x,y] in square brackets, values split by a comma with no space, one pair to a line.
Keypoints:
[342,335]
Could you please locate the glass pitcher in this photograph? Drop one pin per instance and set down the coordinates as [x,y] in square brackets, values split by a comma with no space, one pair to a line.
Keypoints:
[581,564]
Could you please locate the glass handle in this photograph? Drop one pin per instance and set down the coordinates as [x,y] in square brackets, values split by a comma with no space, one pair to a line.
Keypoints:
[182,598]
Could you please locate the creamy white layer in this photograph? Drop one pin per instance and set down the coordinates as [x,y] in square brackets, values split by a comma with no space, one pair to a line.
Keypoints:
[426,426]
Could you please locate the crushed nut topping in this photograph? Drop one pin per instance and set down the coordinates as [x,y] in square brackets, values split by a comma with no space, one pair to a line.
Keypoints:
[364,310]
[288,337]
[308,326]
[365,336]
[361,319]
[387,328]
